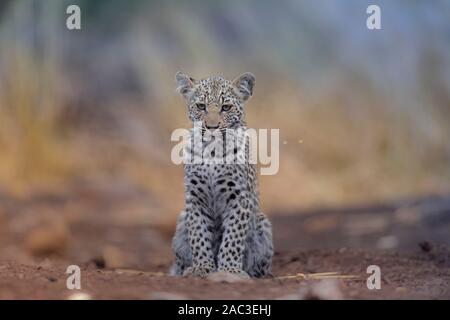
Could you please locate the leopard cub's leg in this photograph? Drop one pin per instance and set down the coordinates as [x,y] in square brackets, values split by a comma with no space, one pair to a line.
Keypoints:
[259,248]
[180,247]
[199,235]
[235,229]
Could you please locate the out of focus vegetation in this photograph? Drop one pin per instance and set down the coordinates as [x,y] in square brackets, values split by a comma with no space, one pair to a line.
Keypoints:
[365,114]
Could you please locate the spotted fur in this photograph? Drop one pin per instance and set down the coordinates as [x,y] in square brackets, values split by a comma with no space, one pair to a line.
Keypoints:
[221,227]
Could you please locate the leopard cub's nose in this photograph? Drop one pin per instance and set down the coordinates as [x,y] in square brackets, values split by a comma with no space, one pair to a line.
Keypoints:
[212,120]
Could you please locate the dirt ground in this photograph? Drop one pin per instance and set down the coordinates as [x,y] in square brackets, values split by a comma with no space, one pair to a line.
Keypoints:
[319,255]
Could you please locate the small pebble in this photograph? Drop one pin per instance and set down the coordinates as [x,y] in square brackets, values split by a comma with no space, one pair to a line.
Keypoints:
[80,296]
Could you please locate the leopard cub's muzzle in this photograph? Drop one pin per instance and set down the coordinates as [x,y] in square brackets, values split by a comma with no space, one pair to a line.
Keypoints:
[213,119]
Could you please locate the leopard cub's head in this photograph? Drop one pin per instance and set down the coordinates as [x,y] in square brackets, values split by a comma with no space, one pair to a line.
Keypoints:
[215,102]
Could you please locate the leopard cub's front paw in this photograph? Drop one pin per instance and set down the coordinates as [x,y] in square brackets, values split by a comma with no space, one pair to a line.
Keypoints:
[201,271]
[235,271]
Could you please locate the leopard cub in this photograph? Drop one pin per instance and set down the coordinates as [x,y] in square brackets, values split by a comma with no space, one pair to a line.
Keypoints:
[221,227]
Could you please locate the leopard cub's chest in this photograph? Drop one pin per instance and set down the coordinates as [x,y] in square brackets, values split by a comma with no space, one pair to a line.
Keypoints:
[215,186]
[214,177]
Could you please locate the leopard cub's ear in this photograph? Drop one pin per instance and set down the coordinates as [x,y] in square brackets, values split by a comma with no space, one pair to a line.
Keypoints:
[185,84]
[244,85]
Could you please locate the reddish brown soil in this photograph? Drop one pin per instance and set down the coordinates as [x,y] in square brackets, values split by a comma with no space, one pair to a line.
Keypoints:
[403,276]
[129,260]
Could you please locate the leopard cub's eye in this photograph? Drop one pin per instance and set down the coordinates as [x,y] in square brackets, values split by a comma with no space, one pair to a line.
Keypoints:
[226,107]
[201,106]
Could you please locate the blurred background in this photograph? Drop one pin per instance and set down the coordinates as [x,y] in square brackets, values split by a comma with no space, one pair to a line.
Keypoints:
[86,117]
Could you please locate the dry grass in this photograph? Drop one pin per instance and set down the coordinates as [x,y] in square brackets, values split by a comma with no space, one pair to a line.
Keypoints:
[334,154]
[32,141]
